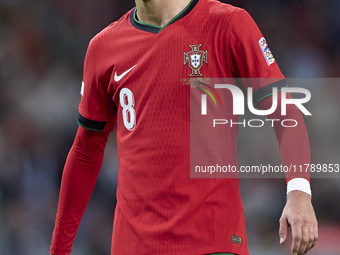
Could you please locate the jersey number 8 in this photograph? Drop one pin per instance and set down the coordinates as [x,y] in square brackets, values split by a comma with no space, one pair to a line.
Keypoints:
[127,101]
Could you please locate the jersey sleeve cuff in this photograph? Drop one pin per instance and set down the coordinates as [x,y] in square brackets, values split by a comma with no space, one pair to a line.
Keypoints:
[91,124]
[300,184]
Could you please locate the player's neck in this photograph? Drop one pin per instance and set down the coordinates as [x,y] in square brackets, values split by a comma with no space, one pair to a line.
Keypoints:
[159,12]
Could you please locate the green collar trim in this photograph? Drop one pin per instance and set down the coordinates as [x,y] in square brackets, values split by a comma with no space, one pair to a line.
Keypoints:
[156,29]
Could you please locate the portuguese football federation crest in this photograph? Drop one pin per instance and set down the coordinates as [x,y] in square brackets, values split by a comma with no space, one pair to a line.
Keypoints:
[195,59]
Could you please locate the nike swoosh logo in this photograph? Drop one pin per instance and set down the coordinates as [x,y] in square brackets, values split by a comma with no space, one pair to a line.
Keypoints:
[119,77]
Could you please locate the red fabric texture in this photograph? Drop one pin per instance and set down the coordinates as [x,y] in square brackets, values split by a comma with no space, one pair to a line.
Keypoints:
[293,141]
[79,178]
[160,209]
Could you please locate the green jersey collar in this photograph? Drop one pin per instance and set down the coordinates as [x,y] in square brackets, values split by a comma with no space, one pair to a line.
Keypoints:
[156,29]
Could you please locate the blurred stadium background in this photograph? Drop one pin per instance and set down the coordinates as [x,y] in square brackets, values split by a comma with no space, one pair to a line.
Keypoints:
[42,47]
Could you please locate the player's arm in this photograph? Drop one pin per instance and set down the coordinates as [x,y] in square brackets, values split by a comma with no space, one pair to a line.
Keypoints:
[79,178]
[294,149]
[250,57]
[300,216]
[97,118]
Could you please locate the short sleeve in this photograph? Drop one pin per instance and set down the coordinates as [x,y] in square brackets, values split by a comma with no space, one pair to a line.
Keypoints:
[97,110]
[250,57]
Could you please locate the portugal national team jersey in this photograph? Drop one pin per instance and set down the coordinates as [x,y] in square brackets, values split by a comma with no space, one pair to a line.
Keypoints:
[133,78]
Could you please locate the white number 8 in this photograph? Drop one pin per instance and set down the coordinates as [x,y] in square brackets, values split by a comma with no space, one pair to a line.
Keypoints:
[127,101]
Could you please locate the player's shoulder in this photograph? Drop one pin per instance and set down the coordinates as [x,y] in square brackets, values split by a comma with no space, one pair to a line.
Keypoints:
[222,11]
[109,33]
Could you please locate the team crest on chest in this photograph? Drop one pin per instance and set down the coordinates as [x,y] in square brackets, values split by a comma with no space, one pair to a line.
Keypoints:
[195,59]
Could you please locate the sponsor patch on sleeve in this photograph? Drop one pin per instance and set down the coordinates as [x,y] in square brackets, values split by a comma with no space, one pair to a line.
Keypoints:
[268,55]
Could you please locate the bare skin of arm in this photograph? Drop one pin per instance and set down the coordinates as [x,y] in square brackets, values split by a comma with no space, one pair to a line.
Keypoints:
[300,216]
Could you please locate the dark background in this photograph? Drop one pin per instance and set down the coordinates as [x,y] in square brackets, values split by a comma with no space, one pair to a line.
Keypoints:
[42,48]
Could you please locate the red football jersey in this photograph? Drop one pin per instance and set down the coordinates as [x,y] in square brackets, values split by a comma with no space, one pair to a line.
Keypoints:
[132,78]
